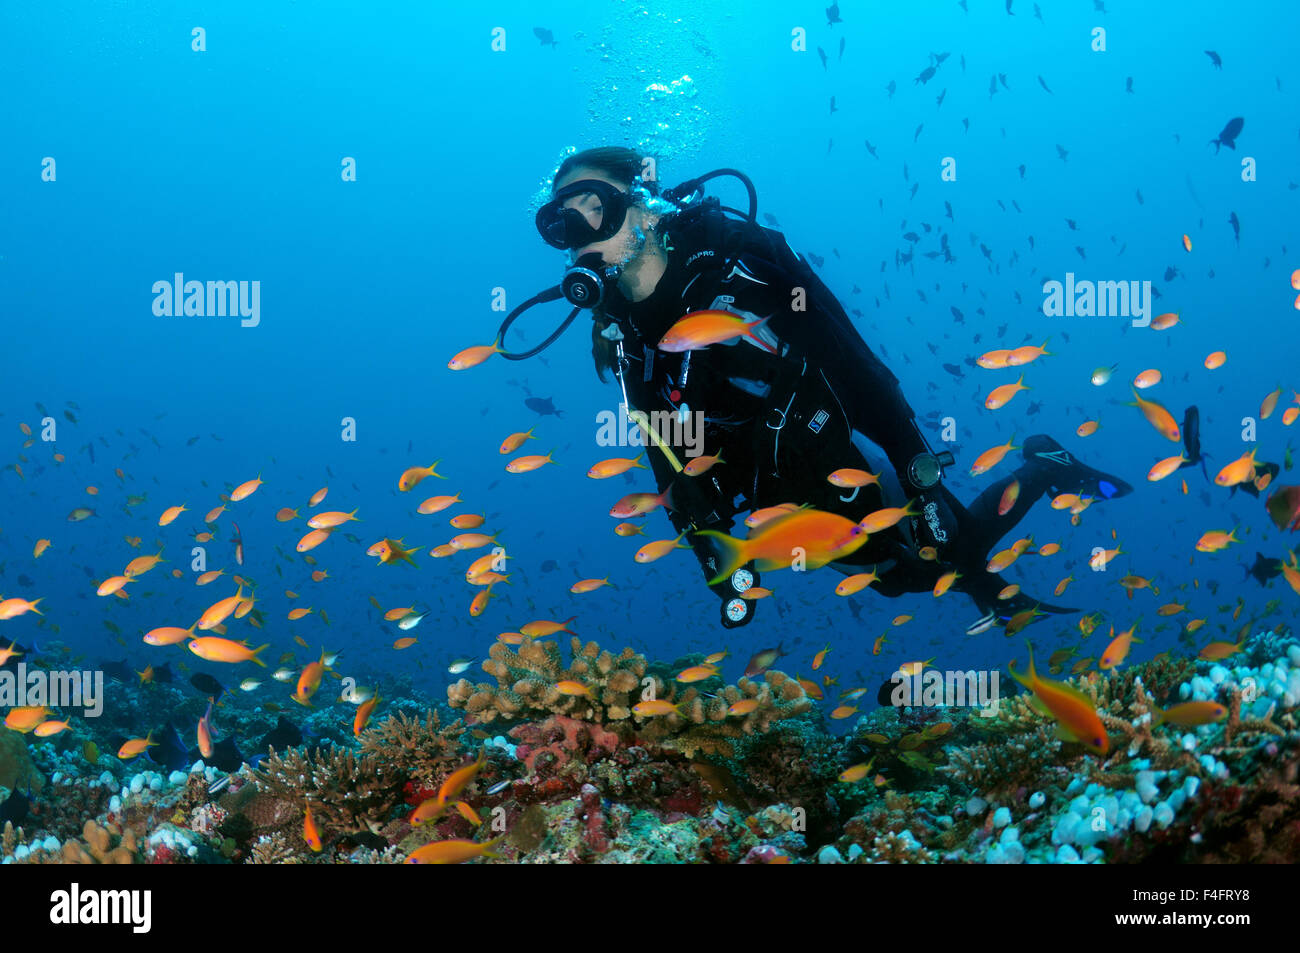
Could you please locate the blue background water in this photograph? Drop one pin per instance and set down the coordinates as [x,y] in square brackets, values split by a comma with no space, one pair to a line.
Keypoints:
[226,165]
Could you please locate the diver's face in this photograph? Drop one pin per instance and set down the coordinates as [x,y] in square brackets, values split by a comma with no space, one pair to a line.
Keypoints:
[623,247]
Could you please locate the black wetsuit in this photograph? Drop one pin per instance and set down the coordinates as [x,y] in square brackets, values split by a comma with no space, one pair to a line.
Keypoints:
[782,422]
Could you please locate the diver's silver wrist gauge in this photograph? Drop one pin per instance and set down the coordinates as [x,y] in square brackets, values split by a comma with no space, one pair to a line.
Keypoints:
[742,580]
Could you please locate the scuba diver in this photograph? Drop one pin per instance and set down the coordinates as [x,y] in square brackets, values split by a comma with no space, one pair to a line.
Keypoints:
[797,398]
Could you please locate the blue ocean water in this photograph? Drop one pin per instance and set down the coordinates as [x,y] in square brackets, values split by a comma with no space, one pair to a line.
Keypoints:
[227,164]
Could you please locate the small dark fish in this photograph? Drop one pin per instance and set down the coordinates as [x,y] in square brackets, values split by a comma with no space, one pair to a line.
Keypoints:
[889,89]
[833,109]
[817,260]
[1043,83]
[833,14]
[15,807]
[544,406]
[822,54]
[1214,58]
[170,751]
[1062,152]
[208,685]
[118,671]
[771,220]
[1192,440]
[871,149]
[954,370]
[1229,135]
[925,76]
[1236,227]
[841,57]
[284,735]
[917,134]
[1171,273]
[162,674]
[549,565]
[1038,14]
[1009,13]
[1141,200]
[545,36]
[1264,569]
[225,756]
[1128,84]
[939,100]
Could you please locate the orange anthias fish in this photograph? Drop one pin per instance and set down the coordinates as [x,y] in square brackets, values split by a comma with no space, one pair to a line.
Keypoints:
[135,747]
[331,519]
[13,608]
[309,681]
[659,548]
[1074,714]
[142,564]
[1159,418]
[699,329]
[1191,714]
[1000,396]
[823,537]
[25,718]
[615,466]
[515,441]
[885,518]
[205,732]
[215,649]
[1218,651]
[1008,499]
[454,851]
[390,551]
[638,504]
[541,628]
[529,463]
[1216,539]
[473,356]
[364,711]
[415,475]
[1118,649]
[436,504]
[309,832]
[245,489]
[1238,471]
[992,457]
[220,611]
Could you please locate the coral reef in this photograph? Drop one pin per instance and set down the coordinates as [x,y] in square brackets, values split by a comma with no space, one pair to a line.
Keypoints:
[528,686]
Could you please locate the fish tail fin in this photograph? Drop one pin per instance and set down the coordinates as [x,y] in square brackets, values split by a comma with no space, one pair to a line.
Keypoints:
[731,550]
[253,657]
[754,326]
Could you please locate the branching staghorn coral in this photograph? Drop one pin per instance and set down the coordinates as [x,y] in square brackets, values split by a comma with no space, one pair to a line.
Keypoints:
[349,793]
[424,751]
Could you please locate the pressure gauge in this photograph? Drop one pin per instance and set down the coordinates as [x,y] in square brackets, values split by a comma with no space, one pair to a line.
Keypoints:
[742,580]
[735,612]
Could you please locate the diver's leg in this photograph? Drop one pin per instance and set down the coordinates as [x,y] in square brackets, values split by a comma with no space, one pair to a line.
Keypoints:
[1047,468]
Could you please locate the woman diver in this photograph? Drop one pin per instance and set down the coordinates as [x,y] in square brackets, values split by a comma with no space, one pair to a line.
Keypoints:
[799,398]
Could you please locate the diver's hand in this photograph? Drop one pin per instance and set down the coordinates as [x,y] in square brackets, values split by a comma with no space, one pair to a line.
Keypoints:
[937,524]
